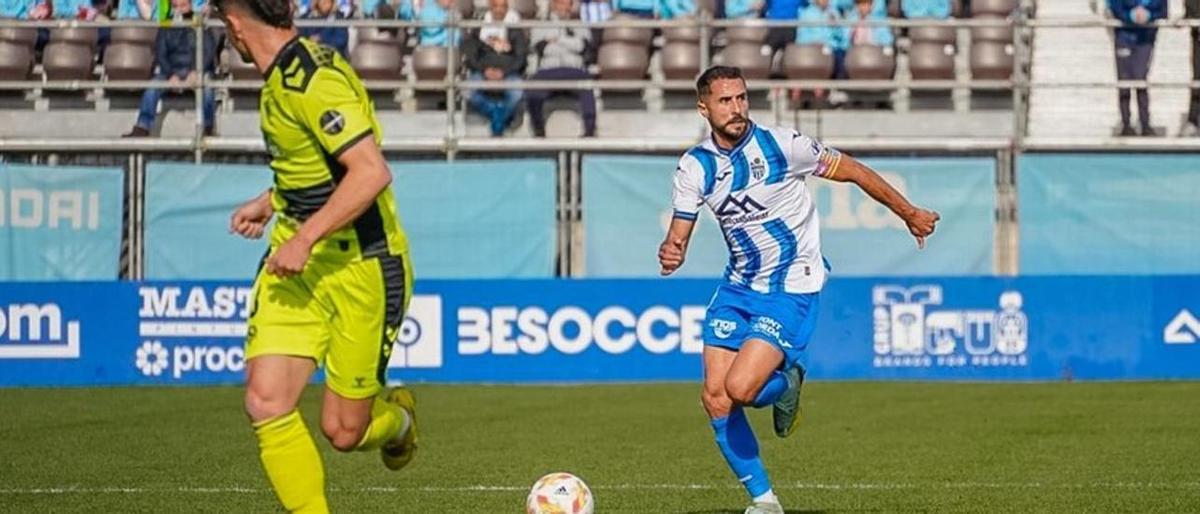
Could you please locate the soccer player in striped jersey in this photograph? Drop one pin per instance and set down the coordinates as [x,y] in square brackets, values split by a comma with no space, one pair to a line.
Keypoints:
[759,323]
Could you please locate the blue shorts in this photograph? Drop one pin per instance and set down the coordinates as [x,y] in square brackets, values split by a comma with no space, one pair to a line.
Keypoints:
[737,314]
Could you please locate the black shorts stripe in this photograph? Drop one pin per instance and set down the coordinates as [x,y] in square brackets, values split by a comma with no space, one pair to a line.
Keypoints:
[392,267]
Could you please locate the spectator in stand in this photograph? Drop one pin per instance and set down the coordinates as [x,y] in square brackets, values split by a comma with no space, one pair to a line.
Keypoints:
[595,11]
[496,52]
[878,7]
[782,10]
[735,9]
[19,9]
[137,10]
[1191,126]
[73,9]
[937,9]
[434,12]
[862,33]
[640,8]
[1134,42]
[175,60]
[337,38]
[561,57]
[829,36]
[673,9]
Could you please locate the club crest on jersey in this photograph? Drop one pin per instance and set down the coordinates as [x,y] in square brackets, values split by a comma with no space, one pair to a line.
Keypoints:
[758,168]
[332,122]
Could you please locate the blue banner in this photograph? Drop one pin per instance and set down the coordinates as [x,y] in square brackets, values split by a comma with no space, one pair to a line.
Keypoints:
[528,331]
[188,208]
[1109,213]
[626,210]
[468,219]
[60,223]
[478,219]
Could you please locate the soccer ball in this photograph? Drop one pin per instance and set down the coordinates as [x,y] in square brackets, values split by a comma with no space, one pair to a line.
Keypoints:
[560,493]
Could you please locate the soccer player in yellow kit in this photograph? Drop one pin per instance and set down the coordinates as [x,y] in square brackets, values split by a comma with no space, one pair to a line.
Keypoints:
[334,285]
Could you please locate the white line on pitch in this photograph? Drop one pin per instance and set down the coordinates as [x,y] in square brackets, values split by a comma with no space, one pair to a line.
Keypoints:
[611,487]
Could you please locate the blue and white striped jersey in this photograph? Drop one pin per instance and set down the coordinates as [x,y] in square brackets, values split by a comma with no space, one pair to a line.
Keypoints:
[756,192]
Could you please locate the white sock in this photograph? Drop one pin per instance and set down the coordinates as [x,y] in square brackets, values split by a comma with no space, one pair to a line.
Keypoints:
[767,497]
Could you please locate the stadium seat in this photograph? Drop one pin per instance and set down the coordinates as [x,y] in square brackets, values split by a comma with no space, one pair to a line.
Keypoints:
[995,34]
[931,61]
[623,61]
[75,35]
[130,53]
[23,36]
[630,35]
[930,34]
[16,60]
[755,64]
[680,60]
[136,35]
[128,61]
[377,60]
[384,37]
[870,62]
[991,60]
[430,62]
[70,54]
[684,34]
[16,52]
[993,7]
[746,34]
[807,62]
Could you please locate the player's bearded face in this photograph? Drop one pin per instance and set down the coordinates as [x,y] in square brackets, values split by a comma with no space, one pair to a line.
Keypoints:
[727,108]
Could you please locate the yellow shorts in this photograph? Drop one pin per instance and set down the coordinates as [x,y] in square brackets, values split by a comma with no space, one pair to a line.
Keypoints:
[344,315]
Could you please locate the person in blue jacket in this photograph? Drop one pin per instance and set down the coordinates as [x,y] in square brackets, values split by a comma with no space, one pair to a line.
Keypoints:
[1134,42]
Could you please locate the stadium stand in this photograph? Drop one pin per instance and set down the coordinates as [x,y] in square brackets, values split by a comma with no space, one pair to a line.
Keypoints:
[947,57]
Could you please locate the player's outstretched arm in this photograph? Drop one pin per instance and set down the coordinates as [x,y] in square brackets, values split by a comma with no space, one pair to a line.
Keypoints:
[366,176]
[250,219]
[674,248]
[920,221]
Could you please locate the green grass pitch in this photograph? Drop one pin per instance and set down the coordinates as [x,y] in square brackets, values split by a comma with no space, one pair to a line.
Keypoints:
[864,447]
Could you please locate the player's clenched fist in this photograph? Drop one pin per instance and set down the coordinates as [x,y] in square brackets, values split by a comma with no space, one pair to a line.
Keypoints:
[290,258]
[250,219]
[670,255]
[921,223]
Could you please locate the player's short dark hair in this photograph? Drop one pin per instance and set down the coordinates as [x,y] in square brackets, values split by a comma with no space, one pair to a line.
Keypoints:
[276,13]
[704,83]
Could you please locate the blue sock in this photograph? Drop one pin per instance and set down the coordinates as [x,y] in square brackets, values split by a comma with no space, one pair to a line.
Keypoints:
[736,440]
[772,390]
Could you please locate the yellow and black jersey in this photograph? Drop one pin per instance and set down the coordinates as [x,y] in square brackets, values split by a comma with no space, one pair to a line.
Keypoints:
[314,107]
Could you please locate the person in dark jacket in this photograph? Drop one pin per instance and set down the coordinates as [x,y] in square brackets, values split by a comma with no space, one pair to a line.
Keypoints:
[561,56]
[175,62]
[337,38]
[497,52]
[1134,43]
[1191,126]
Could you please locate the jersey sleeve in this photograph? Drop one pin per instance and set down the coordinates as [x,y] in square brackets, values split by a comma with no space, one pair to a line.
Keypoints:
[808,156]
[336,115]
[687,193]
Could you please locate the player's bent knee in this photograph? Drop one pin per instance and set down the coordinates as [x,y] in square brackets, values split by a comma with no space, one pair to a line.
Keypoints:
[260,407]
[343,438]
[740,391]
